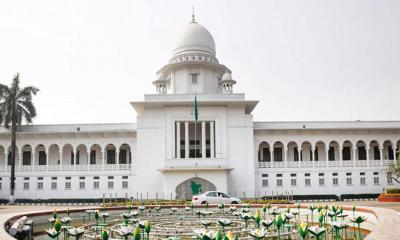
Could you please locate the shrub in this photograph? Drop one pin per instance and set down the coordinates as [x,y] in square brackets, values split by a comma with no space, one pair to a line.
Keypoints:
[393,190]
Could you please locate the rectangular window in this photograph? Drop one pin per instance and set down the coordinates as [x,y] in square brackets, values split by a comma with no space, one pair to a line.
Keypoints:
[110,185]
[293,182]
[279,175]
[81,178]
[26,178]
[110,177]
[278,154]
[308,182]
[81,185]
[77,157]
[362,173]
[335,181]
[124,177]
[265,182]
[54,185]
[264,175]
[67,178]
[331,154]
[194,77]
[307,174]
[362,181]
[349,181]
[390,180]
[67,185]
[125,184]
[376,180]
[111,156]
[279,182]
[293,174]
[334,174]
[40,185]
[377,153]
[122,156]
[362,153]
[26,158]
[26,185]
[348,174]
[321,174]
[96,185]
[53,178]
[42,158]
[96,178]
[321,182]
[92,157]
[40,178]
[346,153]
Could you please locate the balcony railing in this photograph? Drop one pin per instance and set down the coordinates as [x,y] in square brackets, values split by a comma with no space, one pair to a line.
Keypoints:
[84,167]
[323,164]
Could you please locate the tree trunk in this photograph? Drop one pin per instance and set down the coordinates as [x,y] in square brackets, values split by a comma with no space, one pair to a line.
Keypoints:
[13,154]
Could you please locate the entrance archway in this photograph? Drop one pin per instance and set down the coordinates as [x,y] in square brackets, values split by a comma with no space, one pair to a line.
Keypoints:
[193,186]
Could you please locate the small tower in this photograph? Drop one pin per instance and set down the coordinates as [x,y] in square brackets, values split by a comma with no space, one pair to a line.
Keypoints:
[161,84]
[227,83]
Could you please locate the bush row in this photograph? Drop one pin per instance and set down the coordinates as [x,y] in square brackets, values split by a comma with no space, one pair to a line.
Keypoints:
[393,190]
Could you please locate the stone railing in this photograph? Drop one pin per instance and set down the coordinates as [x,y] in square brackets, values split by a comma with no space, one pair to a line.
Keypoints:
[84,167]
[325,164]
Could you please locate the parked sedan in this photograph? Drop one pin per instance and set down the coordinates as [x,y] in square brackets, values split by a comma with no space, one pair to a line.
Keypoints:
[214,197]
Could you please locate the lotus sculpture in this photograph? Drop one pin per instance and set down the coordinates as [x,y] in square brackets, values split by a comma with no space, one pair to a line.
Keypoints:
[76,232]
[206,223]
[246,217]
[205,234]
[317,232]
[358,220]
[267,223]
[224,223]
[337,226]
[258,233]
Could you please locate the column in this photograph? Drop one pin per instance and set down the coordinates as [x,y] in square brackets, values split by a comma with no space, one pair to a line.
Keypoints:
[312,156]
[5,158]
[33,159]
[367,150]
[74,158]
[178,140]
[186,139]
[327,155]
[285,155]
[381,155]
[354,156]
[212,139]
[341,156]
[19,158]
[203,139]
[88,157]
[394,155]
[61,159]
[299,154]
[271,152]
[117,156]
[103,158]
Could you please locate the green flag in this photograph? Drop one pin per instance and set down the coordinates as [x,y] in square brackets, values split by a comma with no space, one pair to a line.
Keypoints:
[195,111]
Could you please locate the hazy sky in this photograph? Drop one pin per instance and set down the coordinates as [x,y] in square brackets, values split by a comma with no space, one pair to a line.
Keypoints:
[304,60]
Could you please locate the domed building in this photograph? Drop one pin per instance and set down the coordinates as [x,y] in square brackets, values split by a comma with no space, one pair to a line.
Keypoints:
[195,130]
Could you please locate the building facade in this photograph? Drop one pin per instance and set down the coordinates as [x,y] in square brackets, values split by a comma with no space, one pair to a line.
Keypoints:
[166,152]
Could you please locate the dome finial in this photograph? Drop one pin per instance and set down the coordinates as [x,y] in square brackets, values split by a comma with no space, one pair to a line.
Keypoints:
[193,16]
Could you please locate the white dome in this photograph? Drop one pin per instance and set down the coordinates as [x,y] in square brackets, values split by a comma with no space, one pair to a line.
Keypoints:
[226,77]
[194,38]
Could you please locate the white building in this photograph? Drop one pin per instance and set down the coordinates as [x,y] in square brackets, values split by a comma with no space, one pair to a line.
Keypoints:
[165,151]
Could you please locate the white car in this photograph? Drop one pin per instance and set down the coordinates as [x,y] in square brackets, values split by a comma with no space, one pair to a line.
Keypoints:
[214,197]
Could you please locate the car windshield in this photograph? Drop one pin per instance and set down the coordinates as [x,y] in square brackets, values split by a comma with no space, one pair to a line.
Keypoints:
[223,195]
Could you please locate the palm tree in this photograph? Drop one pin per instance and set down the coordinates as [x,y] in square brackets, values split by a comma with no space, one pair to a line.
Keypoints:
[15,106]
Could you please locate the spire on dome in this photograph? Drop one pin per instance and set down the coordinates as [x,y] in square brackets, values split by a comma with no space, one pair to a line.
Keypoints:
[193,16]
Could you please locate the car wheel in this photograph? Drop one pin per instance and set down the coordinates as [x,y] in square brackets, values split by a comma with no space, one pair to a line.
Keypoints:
[204,202]
[234,202]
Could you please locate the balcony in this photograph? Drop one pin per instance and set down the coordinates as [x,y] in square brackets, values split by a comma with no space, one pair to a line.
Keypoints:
[195,162]
[325,164]
[51,168]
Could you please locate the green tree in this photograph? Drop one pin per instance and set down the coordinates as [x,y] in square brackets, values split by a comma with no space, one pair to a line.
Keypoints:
[16,106]
[393,171]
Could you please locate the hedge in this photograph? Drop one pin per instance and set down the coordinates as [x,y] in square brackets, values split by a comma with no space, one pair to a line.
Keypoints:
[393,190]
